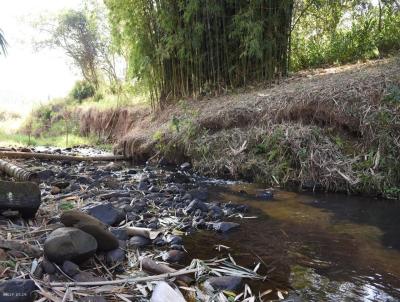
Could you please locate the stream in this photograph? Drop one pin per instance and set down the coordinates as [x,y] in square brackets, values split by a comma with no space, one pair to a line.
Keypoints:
[317,247]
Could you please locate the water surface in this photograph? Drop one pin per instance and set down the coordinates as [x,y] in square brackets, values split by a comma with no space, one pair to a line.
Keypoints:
[316,247]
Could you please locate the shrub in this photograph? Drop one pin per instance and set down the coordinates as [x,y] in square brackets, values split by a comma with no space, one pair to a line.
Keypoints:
[82,90]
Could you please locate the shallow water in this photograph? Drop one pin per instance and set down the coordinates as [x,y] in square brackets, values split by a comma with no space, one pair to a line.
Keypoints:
[316,247]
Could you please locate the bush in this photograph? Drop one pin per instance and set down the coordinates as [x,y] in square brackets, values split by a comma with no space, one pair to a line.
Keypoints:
[82,90]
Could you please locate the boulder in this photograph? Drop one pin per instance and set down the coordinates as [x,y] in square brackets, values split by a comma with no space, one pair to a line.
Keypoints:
[17,290]
[106,213]
[69,244]
[21,196]
[105,239]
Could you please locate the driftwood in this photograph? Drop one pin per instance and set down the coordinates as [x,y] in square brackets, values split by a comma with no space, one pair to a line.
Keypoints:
[21,246]
[17,172]
[60,156]
[144,232]
[126,281]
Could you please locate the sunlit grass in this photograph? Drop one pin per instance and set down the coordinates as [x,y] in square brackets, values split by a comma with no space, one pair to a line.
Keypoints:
[22,140]
[114,101]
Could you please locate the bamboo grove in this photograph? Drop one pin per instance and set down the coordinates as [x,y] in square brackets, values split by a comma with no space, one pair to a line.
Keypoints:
[187,48]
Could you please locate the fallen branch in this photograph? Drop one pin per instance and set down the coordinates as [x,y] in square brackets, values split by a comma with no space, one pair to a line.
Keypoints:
[61,157]
[17,172]
[124,281]
[21,246]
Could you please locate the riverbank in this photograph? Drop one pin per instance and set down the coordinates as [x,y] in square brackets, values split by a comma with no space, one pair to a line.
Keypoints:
[335,130]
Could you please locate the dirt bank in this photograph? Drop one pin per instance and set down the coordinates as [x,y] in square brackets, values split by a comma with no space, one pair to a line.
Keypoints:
[335,129]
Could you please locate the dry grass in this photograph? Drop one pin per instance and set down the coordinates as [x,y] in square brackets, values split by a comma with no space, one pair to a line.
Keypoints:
[333,129]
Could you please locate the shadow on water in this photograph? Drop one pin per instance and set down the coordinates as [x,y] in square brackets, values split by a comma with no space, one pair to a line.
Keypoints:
[316,247]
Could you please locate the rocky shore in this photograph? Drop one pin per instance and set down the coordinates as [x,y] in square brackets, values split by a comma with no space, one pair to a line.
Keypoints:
[101,226]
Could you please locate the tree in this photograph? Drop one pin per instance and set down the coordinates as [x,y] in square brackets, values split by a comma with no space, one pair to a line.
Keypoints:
[3,43]
[84,36]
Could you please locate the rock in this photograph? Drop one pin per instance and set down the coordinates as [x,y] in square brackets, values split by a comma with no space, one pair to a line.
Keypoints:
[143,185]
[87,277]
[45,174]
[69,244]
[17,290]
[201,194]
[120,234]
[265,194]
[230,283]
[174,239]
[60,184]
[21,196]
[48,267]
[139,241]
[112,167]
[55,190]
[224,227]
[185,166]
[196,204]
[178,178]
[70,268]
[106,213]
[173,256]
[163,292]
[105,239]
[114,257]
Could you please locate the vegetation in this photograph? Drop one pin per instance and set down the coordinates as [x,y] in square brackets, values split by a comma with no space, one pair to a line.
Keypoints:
[336,32]
[82,90]
[189,48]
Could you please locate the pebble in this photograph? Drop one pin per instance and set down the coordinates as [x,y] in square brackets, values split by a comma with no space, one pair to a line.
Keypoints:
[173,256]
[230,283]
[224,227]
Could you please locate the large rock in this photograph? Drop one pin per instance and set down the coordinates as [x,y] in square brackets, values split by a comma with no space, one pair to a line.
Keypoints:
[105,239]
[17,290]
[21,196]
[69,244]
[106,213]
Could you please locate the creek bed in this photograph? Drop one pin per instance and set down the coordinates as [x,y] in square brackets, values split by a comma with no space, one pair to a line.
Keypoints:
[318,247]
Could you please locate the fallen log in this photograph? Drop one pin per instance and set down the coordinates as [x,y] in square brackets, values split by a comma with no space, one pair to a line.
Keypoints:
[21,196]
[17,172]
[47,156]
[21,246]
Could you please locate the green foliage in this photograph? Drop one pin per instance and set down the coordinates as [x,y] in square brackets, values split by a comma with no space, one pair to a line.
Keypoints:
[190,47]
[336,32]
[83,90]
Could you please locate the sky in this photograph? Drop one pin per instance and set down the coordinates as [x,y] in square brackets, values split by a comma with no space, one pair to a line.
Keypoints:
[27,76]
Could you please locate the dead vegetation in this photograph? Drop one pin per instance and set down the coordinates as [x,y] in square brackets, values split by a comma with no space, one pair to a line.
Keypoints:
[335,129]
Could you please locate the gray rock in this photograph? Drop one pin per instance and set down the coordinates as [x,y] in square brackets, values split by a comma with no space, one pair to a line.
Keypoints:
[115,256]
[70,268]
[105,239]
[48,267]
[120,234]
[139,241]
[69,244]
[45,174]
[173,256]
[17,290]
[87,277]
[224,227]
[21,196]
[224,283]
[174,239]
[196,204]
[106,213]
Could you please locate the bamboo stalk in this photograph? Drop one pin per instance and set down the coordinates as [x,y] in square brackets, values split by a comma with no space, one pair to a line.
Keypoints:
[126,281]
[17,172]
[60,156]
